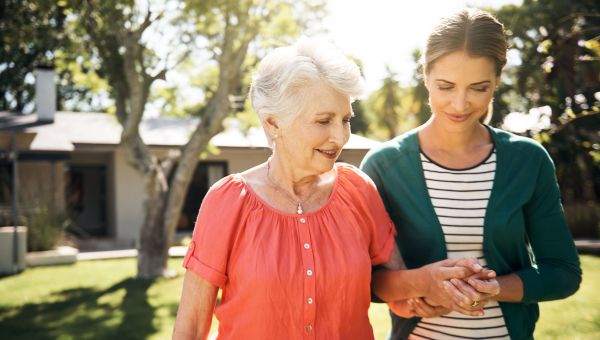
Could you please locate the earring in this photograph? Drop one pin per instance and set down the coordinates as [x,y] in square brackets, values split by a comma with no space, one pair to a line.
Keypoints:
[275,136]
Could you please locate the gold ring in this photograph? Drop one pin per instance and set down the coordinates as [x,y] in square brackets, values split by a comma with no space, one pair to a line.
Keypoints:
[475,303]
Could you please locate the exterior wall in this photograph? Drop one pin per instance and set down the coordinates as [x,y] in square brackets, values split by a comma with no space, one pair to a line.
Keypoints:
[353,157]
[129,199]
[42,182]
[240,159]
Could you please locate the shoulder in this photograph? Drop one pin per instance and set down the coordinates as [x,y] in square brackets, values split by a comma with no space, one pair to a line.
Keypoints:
[354,181]
[392,151]
[519,147]
[227,189]
[352,174]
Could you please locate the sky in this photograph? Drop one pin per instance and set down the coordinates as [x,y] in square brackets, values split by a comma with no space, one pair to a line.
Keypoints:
[384,33]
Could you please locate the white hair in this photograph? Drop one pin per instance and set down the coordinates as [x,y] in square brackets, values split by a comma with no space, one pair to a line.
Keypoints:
[286,71]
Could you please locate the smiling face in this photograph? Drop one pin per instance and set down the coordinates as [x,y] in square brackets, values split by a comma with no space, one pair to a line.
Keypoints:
[461,88]
[312,142]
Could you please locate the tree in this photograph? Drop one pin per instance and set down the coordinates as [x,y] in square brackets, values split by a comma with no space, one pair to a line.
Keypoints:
[557,44]
[420,95]
[29,32]
[390,109]
[559,68]
[116,33]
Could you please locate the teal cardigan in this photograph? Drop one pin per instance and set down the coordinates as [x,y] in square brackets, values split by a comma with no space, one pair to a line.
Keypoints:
[524,210]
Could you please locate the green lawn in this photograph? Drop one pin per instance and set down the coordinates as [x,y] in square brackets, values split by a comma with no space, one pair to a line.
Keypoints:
[101,300]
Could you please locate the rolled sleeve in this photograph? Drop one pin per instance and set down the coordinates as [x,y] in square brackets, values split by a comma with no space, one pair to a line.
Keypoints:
[215,231]
[212,275]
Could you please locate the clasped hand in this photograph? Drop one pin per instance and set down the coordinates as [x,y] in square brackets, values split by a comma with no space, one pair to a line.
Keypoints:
[460,285]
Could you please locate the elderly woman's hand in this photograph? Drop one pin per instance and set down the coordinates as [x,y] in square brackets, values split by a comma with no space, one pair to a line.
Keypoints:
[418,307]
[402,309]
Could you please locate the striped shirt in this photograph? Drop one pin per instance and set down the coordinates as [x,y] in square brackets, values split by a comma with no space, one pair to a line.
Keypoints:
[460,199]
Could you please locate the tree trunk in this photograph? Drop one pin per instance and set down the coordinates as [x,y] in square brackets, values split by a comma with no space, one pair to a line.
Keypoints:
[154,245]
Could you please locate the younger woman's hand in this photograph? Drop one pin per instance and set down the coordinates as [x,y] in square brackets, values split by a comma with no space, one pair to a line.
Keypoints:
[475,291]
[440,291]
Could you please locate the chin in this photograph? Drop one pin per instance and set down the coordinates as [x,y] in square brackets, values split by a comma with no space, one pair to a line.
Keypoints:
[324,166]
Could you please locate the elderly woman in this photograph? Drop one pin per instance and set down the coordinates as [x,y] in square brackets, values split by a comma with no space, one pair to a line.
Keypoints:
[291,242]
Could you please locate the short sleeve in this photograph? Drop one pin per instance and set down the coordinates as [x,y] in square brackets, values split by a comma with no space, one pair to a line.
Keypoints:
[377,223]
[220,215]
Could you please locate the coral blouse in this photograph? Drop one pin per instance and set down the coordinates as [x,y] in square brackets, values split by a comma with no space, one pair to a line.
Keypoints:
[289,276]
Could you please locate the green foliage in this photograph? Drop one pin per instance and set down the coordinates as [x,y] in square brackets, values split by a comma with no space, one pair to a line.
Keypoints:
[420,107]
[584,219]
[359,123]
[30,31]
[558,53]
[557,45]
[391,109]
[275,23]
[45,227]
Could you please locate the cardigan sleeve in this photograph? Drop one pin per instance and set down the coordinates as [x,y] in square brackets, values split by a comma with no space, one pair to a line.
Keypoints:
[556,273]
[371,165]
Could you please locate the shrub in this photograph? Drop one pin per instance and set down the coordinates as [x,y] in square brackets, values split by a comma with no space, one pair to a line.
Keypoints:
[584,219]
[45,227]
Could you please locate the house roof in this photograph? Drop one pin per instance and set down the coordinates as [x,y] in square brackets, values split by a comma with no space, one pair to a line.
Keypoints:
[73,128]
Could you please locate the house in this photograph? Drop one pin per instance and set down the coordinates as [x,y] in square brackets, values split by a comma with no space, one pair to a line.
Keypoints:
[76,163]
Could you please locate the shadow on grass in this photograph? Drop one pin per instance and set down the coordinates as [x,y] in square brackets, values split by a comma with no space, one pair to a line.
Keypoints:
[119,312]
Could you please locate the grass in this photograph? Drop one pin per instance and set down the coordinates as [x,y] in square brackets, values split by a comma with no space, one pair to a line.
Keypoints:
[102,300]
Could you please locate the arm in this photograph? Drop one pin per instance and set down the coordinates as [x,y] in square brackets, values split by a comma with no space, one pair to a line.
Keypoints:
[395,283]
[557,273]
[196,308]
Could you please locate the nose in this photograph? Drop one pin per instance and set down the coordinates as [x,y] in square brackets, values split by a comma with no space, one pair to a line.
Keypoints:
[339,134]
[460,101]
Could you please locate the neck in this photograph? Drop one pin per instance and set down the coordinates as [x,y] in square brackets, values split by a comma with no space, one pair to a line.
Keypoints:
[441,138]
[284,175]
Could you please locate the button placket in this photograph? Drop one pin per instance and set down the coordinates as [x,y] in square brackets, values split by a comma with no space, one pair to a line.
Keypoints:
[308,263]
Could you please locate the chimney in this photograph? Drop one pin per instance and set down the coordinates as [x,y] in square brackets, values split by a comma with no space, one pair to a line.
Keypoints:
[45,94]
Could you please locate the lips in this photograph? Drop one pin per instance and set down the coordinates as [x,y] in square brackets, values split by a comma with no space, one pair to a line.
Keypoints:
[330,154]
[458,118]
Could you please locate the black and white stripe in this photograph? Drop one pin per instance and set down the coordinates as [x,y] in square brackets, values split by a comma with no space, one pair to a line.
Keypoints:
[460,198]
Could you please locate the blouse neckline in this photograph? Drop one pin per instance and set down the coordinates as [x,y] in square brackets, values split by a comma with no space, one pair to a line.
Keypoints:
[283,213]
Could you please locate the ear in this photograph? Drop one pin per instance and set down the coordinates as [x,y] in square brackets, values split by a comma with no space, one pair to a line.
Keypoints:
[272,126]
